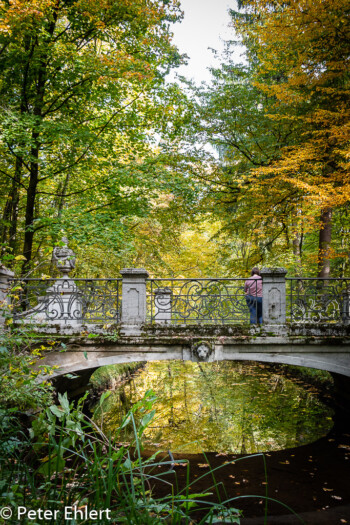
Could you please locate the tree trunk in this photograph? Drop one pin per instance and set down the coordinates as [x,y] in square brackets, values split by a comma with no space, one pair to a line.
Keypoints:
[15,203]
[35,149]
[61,201]
[325,235]
[6,217]
[30,206]
[297,247]
[10,214]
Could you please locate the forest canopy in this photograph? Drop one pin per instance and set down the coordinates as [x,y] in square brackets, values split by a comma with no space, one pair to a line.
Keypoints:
[280,123]
[96,143]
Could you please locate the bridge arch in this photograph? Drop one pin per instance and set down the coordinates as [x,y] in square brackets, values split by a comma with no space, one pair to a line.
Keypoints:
[84,359]
[333,358]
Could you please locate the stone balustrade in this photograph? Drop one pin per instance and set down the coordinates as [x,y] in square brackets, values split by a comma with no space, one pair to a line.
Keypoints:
[136,300]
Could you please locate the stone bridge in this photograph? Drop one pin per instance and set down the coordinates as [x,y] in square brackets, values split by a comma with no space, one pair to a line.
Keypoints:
[321,347]
[306,321]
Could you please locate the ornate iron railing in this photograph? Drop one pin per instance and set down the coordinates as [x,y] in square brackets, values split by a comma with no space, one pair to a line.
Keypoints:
[196,301]
[67,300]
[316,300]
[177,301]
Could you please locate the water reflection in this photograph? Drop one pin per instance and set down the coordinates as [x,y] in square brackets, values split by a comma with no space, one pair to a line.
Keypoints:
[225,406]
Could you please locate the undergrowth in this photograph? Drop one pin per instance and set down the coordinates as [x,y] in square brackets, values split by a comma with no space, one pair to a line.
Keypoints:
[66,461]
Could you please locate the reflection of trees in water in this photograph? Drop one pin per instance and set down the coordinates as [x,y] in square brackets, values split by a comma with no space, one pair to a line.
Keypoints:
[209,382]
[227,406]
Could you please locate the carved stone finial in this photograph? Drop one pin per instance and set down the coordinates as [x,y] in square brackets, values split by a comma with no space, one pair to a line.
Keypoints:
[64,258]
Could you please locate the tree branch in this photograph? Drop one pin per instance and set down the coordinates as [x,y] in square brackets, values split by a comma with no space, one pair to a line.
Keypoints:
[97,135]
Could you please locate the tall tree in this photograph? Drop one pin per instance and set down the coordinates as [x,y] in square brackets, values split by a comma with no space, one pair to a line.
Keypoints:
[236,119]
[79,82]
[302,50]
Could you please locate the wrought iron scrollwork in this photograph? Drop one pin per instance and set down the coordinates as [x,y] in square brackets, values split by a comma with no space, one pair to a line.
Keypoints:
[197,300]
[65,299]
[315,300]
[101,300]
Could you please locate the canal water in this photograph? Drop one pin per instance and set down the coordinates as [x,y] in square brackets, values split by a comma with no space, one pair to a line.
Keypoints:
[227,407]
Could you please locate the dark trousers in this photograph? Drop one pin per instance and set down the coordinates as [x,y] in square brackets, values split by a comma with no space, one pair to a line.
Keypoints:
[255,308]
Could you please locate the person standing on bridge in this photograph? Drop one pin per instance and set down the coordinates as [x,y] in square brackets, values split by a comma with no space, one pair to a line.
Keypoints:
[253,296]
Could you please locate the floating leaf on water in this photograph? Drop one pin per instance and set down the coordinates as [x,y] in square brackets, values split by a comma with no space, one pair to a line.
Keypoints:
[335,497]
[203,465]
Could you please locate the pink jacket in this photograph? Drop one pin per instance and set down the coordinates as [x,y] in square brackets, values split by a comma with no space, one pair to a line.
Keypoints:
[253,286]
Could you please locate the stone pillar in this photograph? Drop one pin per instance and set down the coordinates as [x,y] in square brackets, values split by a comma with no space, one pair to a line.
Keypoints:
[133,300]
[162,303]
[63,303]
[5,278]
[274,295]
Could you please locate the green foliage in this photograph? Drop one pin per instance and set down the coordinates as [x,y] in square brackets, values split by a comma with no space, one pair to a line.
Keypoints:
[95,144]
[269,122]
[311,375]
[74,464]
[19,388]
[110,375]
[86,104]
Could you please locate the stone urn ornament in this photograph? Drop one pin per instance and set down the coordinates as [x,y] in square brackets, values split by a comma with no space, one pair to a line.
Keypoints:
[62,302]
[64,258]
[163,305]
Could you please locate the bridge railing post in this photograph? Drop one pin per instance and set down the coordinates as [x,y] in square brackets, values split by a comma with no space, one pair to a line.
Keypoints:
[274,295]
[5,279]
[163,305]
[346,306]
[133,300]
